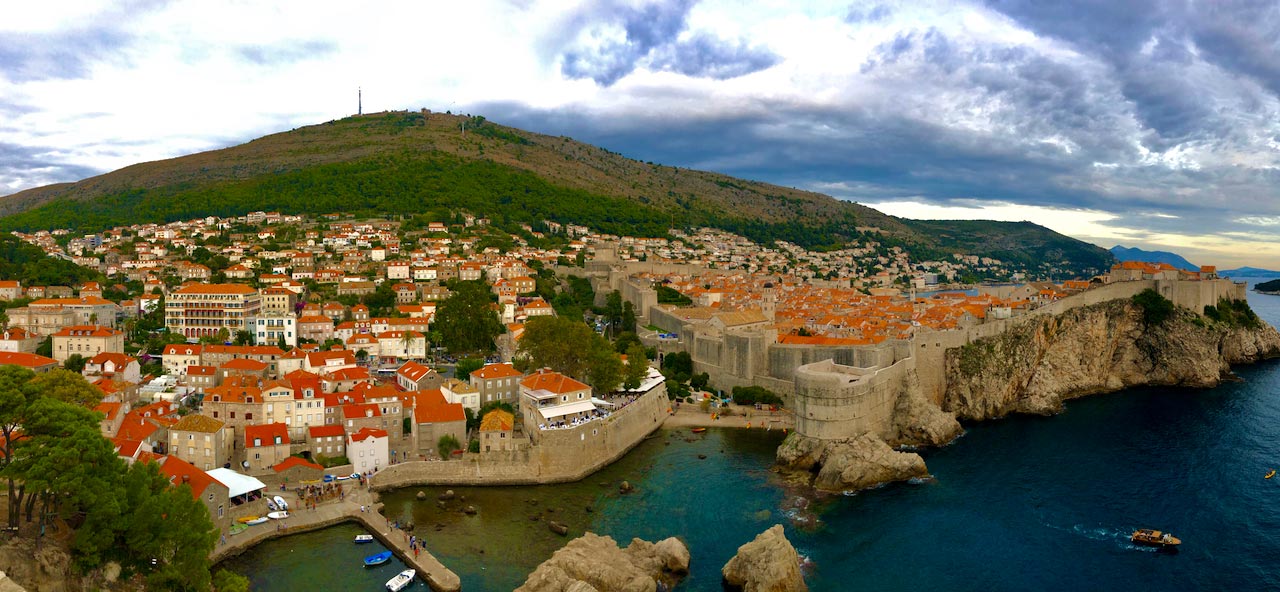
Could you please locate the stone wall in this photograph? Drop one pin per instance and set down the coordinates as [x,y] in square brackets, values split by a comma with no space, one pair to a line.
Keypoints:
[835,401]
[560,456]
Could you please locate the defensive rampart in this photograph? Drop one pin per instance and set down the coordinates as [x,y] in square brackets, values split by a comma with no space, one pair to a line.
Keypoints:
[562,455]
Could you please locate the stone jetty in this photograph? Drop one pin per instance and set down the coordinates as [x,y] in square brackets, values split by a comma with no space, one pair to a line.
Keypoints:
[359,506]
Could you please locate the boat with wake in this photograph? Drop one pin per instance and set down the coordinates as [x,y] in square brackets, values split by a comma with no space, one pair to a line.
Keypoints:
[1154,538]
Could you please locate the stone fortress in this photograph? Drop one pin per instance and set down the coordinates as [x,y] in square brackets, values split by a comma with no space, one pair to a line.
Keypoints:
[840,391]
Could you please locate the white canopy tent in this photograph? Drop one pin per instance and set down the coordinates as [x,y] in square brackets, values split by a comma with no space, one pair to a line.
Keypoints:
[551,413]
[237,484]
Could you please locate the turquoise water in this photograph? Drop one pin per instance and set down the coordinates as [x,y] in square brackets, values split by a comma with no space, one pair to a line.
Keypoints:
[1018,504]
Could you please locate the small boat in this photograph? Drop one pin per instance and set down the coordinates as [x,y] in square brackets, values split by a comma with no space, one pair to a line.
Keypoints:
[401,581]
[238,528]
[1155,538]
[246,519]
[698,430]
[1271,474]
[377,559]
[258,520]
[272,506]
[280,503]
[278,515]
[364,538]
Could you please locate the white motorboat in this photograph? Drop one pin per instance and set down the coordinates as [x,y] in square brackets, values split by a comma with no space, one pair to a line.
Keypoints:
[364,538]
[401,581]
[280,503]
[258,520]
[277,515]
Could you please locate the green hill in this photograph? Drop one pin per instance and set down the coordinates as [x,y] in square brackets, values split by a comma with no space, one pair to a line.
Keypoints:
[425,163]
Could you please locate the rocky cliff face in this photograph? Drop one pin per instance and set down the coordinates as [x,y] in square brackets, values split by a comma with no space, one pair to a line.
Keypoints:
[593,563]
[767,564]
[1038,364]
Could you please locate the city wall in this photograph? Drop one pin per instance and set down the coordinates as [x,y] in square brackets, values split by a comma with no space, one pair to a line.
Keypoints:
[838,401]
[560,456]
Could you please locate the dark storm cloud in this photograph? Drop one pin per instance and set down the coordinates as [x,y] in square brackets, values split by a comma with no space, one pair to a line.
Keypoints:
[651,39]
[287,52]
[57,55]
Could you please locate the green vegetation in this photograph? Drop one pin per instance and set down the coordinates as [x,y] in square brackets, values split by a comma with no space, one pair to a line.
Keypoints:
[332,461]
[678,366]
[466,366]
[410,164]
[637,366]
[1155,308]
[61,466]
[750,395]
[28,264]
[447,444]
[1233,313]
[464,319]
[227,581]
[1269,286]
[571,348]
[667,295]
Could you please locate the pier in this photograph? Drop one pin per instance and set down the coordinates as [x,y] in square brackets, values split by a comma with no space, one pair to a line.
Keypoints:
[331,512]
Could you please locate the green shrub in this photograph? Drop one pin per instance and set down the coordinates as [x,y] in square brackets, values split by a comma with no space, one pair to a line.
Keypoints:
[447,444]
[1156,309]
[750,395]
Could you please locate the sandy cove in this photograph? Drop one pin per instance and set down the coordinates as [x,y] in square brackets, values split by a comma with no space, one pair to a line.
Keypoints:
[739,416]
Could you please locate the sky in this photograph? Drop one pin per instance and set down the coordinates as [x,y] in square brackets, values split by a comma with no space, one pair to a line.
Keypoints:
[1137,122]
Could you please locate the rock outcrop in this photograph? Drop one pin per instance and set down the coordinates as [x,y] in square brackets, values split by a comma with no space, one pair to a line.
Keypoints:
[596,563]
[850,464]
[1039,363]
[767,564]
[917,421]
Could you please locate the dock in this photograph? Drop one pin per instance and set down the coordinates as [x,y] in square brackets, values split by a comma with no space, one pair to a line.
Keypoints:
[331,512]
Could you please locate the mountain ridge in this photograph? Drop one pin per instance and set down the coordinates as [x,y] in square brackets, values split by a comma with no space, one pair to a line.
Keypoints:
[422,162]
[1124,253]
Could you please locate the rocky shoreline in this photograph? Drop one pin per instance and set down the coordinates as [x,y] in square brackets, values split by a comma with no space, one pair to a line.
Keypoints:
[594,563]
[1033,368]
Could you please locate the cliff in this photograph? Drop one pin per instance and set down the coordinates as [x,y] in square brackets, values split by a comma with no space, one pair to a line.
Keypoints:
[1037,364]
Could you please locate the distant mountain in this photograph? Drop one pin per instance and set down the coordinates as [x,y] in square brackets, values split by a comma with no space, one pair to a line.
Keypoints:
[428,166]
[1135,254]
[1244,272]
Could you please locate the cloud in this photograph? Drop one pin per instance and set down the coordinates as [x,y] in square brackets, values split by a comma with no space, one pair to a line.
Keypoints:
[35,56]
[612,40]
[286,52]
[22,167]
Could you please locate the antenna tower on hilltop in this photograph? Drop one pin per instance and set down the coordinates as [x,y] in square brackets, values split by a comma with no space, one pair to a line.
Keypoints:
[359,101]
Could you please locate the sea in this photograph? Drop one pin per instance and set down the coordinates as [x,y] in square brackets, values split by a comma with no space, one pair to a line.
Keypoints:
[1023,503]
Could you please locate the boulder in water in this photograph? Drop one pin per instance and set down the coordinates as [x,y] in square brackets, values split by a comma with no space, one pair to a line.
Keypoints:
[446,496]
[559,528]
[422,496]
[625,487]
[596,563]
[767,564]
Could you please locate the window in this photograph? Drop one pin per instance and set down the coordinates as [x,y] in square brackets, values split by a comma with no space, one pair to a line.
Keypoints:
[191,436]
[191,452]
[257,442]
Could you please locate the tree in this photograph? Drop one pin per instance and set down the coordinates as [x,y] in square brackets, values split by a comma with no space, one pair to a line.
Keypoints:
[678,366]
[625,340]
[244,337]
[362,355]
[613,311]
[447,444]
[466,320]
[466,366]
[628,317]
[228,581]
[570,347]
[637,367]
[382,301]
[75,363]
